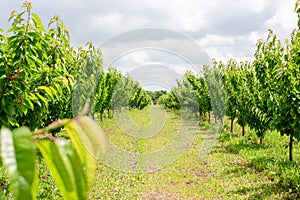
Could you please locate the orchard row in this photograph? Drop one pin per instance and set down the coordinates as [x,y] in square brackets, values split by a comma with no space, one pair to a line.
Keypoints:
[43,78]
[263,95]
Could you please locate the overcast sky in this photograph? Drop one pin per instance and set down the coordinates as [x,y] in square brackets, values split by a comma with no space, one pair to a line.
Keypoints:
[223,28]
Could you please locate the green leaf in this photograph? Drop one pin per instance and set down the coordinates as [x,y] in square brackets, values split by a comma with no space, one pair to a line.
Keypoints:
[42,98]
[28,104]
[54,91]
[95,141]
[89,142]
[37,21]
[19,159]
[64,163]
[47,90]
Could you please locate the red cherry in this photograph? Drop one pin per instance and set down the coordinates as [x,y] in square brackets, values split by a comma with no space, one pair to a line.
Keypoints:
[20,101]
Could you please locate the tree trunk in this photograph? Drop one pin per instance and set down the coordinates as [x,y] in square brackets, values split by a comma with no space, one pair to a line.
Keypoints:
[108,113]
[243,130]
[200,114]
[260,140]
[209,117]
[101,116]
[291,147]
[231,125]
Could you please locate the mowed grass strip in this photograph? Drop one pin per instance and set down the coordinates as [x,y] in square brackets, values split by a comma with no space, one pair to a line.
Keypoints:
[224,173]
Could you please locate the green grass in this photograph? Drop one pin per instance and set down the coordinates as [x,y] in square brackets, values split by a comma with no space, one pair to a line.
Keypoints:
[271,159]
[236,168]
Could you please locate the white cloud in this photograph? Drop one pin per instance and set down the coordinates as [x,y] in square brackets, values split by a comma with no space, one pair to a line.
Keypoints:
[284,20]
[112,21]
[224,48]
[216,53]
[253,37]
[116,22]
[135,58]
[260,5]
[216,40]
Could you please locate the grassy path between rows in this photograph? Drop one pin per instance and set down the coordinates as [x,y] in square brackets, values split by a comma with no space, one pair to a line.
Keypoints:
[224,173]
[235,168]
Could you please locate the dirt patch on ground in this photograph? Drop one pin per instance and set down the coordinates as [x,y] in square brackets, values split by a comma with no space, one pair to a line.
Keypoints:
[155,195]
